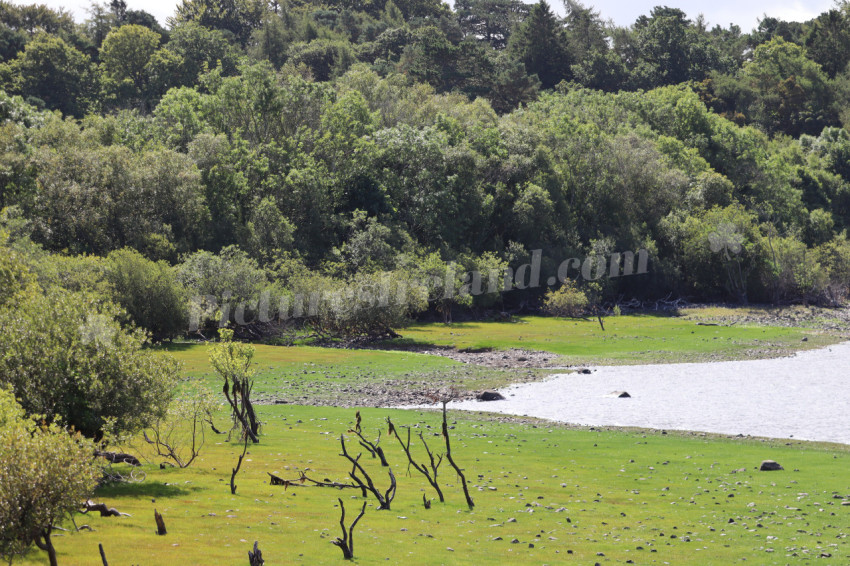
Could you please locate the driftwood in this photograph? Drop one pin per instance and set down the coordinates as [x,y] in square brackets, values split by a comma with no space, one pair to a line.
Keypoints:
[160,523]
[119,458]
[305,481]
[346,543]
[255,558]
[104,511]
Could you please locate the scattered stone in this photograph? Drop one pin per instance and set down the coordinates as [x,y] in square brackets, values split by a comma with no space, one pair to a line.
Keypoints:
[619,394]
[770,466]
[584,371]
[490,395]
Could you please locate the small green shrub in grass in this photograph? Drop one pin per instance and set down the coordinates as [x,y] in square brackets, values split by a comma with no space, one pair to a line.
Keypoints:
[567,301]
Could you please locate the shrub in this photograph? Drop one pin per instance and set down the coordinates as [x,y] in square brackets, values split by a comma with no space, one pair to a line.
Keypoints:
[65,356]
[149,292]
[45,473]
[568,300]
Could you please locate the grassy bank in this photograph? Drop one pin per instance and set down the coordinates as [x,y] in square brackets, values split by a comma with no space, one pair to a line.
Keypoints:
[564,495]
[311,375]
[337,376]
[626,339]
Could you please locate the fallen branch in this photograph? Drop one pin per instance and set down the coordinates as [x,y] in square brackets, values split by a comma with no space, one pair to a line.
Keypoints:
[118,458]
[346,543]
[105,511]
[303,481]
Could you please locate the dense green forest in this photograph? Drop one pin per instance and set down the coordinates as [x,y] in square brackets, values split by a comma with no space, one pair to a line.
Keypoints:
[276,149]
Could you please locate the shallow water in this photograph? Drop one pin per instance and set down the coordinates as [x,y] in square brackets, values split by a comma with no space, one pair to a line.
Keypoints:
[805,396]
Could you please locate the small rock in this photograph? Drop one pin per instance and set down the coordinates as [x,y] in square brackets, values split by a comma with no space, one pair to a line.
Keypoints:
[619,394]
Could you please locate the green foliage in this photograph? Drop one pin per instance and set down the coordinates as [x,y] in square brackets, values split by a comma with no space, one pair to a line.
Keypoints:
[45,473]
[51,73]
[567,301]
[540,45]
[15,276]
[221,286]
[66,357]
[149,292]
[125,61]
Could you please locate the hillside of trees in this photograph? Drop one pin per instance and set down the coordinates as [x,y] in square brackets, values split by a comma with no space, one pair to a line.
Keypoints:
[284,147]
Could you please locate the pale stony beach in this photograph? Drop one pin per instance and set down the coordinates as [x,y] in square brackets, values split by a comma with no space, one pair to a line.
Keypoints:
[805,396]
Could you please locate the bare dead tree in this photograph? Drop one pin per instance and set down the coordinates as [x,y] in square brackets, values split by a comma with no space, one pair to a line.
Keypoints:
[238,396]
[434,462]
[444,398]
[371,447]
[238,465]
[346,543]
[368,486]
[166,444]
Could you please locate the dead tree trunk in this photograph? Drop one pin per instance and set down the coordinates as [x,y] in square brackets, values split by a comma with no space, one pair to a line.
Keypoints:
[236,469]
[346,543]
[255,558]
[452,462]
[160,523]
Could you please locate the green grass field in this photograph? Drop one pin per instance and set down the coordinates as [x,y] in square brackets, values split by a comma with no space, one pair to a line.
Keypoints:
[642,496]
[544,493]
[626,339]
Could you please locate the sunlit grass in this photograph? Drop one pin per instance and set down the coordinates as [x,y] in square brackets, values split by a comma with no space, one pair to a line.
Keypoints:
[630,495]
[626,339]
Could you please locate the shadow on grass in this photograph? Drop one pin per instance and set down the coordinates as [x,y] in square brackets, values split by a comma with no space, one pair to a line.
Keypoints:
[176,346]
[146,488]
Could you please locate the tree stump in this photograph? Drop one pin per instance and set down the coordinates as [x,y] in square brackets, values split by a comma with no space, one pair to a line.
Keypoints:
[255,558]
[160,523]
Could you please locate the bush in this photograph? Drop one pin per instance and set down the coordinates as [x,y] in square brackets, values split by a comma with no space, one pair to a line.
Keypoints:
[149,292]
[367,305]
[569,300]
[45,473]
[65,356]
[218,281]
[14,273]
